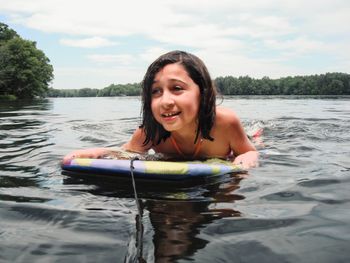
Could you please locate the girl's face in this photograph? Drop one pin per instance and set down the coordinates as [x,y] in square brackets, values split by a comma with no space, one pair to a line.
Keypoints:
[175,99]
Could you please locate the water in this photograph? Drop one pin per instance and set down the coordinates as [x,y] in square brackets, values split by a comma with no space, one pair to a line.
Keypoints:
[294,208]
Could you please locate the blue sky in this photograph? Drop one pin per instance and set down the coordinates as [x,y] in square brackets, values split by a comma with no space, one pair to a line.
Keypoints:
[96,43]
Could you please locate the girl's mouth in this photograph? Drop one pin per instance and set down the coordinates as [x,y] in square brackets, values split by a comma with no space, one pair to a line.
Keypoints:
[170,114]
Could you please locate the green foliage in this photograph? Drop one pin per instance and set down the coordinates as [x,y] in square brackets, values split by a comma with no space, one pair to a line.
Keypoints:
[121,90]
[324,84]
[8,97]
[6,33]
[112,90]
[25,71]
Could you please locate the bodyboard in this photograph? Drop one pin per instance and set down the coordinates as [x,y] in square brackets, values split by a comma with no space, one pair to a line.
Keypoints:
[160,170]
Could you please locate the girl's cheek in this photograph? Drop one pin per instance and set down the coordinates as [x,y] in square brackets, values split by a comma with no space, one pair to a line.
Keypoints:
[153,109]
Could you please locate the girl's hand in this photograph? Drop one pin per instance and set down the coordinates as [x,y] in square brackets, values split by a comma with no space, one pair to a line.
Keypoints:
[247,160]
[94,153]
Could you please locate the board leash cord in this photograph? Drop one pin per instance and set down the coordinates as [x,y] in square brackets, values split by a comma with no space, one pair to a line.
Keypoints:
[139,227]
[134,184]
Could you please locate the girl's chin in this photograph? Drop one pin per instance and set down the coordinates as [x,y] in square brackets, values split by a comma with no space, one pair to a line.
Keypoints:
[170,128]
[170,125]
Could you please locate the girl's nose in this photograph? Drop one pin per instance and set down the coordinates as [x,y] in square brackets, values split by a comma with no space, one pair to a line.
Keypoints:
[167,99]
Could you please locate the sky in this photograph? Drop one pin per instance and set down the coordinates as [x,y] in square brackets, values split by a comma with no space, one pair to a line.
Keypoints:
[92,44]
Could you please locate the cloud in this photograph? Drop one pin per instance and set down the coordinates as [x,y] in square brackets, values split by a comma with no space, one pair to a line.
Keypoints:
[95,77]
[124,59]
[92,42]
[86,18]
[226,64]
[153,53]
[298,46]
[194,23]
[233,37]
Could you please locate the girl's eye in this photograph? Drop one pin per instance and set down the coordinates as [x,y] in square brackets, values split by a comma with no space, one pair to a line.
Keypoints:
[178,88]
[155,91]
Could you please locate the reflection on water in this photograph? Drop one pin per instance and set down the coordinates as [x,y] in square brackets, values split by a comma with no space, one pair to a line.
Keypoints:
[23,134]
[177,226]
[293,208]
[176,212]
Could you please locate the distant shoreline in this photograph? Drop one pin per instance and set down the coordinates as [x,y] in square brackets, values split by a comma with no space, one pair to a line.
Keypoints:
[324,84]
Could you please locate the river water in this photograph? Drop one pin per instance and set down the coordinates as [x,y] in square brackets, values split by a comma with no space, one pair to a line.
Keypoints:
[295,207]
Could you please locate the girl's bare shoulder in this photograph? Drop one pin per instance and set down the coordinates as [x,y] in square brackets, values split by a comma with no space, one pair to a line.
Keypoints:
[226,117]
[136,143]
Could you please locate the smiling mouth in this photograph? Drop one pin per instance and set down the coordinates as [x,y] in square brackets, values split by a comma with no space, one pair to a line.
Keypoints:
[168,115]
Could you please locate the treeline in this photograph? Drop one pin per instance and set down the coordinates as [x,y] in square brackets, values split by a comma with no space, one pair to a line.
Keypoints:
[324,84]
[112,90]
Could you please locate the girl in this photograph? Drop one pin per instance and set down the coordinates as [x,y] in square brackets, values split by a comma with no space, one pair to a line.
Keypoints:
[180,117]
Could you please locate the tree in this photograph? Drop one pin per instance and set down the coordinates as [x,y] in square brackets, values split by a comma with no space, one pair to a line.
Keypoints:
[6,33]
[24,70]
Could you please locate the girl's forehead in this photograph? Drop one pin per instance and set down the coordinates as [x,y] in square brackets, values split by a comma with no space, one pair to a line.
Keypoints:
[172,71]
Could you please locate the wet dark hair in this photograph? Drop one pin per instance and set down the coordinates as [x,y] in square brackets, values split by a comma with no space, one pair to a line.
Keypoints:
[198,72]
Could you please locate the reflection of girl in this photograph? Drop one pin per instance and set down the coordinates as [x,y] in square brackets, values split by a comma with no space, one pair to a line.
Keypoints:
[176,227]
[180,117]
[177,224]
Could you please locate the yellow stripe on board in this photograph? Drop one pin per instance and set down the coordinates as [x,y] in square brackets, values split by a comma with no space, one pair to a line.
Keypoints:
[83,161]
[215,168]
[166,167]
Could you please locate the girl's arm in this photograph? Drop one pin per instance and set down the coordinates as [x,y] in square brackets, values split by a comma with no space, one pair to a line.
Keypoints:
[246,154]
[87,153]
[135,144]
